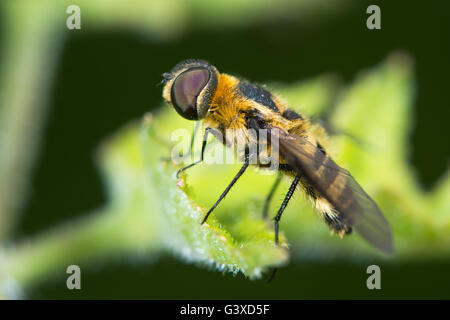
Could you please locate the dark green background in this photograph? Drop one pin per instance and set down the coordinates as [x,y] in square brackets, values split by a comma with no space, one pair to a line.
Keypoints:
[104,80]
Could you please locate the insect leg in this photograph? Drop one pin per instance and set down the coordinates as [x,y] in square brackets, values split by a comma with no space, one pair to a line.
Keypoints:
[284,204]
[194,132]
[270,195]
[205,138]
[241,171]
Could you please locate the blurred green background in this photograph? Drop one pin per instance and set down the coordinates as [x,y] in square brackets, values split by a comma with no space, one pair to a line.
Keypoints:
[91,82]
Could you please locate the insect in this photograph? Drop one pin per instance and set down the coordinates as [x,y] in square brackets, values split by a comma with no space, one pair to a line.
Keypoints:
[197,91]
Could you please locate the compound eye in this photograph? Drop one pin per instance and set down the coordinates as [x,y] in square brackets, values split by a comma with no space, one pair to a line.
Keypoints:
[185,90]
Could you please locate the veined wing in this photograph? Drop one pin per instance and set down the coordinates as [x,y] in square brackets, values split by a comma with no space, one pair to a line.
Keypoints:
[339,188]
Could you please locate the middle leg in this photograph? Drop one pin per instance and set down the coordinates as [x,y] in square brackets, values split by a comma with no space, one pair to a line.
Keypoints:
[270,195]
[284,204]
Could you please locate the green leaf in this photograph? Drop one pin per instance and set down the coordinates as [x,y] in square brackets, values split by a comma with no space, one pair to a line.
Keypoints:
[251,250]
[151,211]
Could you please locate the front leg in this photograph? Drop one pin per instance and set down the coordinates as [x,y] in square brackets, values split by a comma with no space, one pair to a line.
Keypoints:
[205,139]
[238,175]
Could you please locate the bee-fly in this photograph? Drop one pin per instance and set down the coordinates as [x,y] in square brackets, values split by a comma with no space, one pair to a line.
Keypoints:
[196,90]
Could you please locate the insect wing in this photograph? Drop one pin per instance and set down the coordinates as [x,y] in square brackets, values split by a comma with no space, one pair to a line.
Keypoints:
[339,188]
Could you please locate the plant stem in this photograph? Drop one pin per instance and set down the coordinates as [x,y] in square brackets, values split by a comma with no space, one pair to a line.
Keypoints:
[28,60]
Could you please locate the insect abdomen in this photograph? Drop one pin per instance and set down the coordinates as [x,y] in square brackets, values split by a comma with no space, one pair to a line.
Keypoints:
[330,215]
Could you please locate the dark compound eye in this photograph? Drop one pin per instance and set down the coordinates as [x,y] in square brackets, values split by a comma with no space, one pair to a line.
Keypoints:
[185,90]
